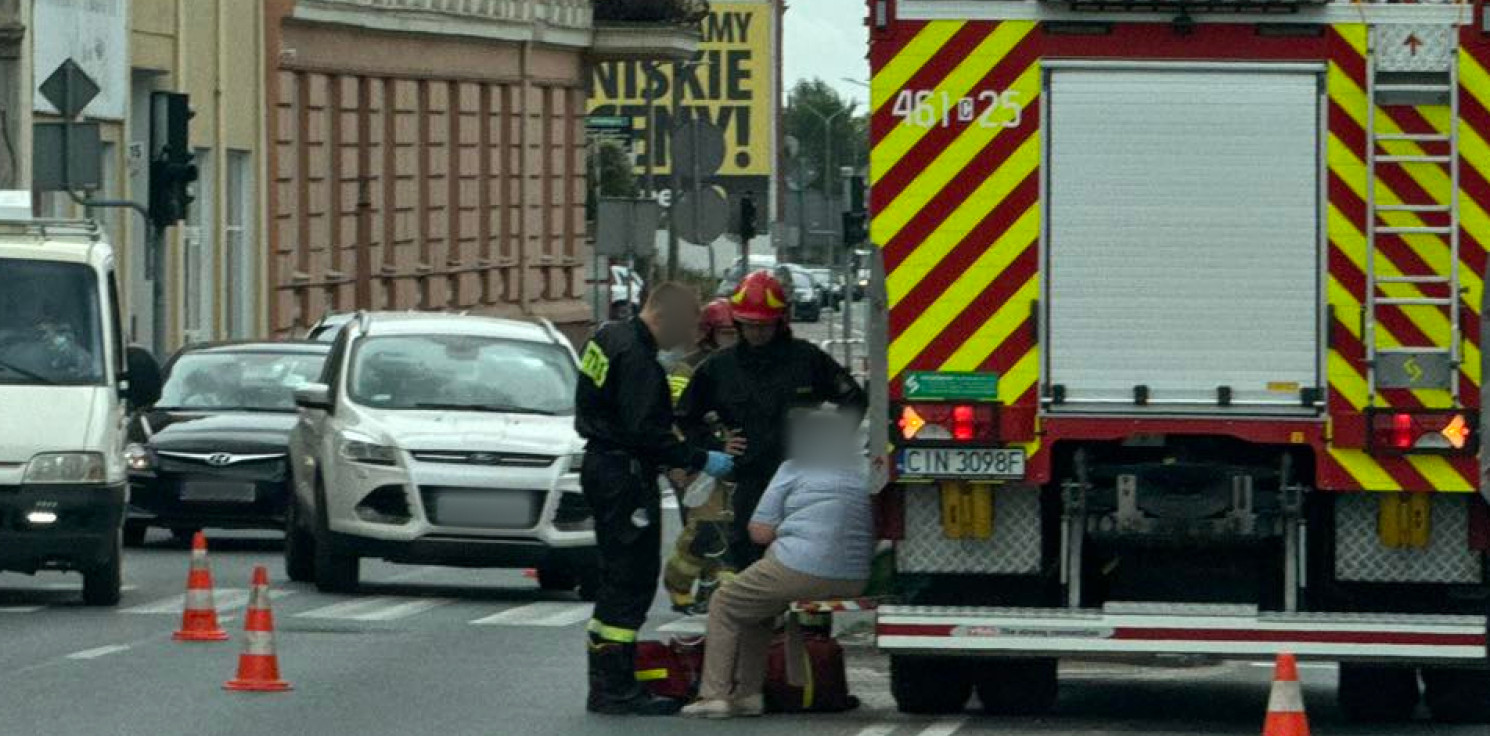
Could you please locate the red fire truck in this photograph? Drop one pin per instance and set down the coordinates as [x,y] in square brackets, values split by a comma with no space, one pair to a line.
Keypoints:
[1182,331]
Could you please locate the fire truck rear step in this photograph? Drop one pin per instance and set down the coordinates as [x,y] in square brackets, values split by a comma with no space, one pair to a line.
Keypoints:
[1122,629]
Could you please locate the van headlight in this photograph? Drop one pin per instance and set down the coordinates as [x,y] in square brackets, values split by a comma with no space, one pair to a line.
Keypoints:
[65,467]
[362,449]
[139,457]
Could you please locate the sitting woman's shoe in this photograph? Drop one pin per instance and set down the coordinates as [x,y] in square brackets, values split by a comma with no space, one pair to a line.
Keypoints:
[708,708]
[749,706]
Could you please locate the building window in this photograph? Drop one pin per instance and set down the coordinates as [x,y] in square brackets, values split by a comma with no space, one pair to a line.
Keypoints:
[199,274]
[241,249]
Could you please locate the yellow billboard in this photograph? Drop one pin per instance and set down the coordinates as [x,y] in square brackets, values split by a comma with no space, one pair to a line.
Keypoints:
[730,85]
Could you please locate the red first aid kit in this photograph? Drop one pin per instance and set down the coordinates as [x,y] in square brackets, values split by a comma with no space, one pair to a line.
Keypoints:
[824,681]
[670,669]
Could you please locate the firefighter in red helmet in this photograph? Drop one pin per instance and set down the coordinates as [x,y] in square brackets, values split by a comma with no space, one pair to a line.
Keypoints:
[752,386]
[698,558]
[716,331]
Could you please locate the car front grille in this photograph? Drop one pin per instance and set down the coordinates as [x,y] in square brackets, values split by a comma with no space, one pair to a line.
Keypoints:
[438,511]
[491,459]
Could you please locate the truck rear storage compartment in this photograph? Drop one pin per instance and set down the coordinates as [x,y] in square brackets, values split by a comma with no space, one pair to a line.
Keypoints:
[1183,245]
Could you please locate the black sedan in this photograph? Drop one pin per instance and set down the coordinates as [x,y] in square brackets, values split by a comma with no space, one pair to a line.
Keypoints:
[214,450]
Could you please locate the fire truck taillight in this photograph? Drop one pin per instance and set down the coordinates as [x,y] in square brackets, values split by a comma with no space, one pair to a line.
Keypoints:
[1441,431]
[957,422]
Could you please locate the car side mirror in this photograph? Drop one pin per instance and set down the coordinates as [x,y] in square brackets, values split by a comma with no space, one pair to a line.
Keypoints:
[314,396]
[142,373]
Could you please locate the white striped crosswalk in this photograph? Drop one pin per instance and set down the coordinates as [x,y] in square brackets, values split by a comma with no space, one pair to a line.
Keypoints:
[384,608]
[538,614]
[225,599]
[377,608]
[690,625]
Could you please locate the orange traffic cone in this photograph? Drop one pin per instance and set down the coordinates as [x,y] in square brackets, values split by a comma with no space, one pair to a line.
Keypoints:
[258,666]
[199,614]
[1286,704]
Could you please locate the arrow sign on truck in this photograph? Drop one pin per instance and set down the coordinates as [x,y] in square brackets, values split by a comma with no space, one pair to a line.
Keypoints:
[1412,43]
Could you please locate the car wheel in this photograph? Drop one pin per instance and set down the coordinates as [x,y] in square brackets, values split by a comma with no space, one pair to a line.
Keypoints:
[134,533]
[557,579]
[1018,688]
[929,685]
[300,546]
[1368,693]
[589,585]
[102,584]
[1458,695]
[336,572]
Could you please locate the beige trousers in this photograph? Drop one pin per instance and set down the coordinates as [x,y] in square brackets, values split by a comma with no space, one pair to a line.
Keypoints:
[742,619]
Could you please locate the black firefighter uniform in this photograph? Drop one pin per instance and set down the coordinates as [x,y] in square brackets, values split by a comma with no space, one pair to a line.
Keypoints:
[624,409]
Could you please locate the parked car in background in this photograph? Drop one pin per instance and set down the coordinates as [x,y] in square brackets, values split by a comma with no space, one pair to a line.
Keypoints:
[830,286]
[737,270]
[444,440]
[807,305]
[325,329]
[65,380]
[213,450]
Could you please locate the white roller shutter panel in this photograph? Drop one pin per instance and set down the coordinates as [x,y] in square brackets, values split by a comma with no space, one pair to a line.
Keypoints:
[1183,241]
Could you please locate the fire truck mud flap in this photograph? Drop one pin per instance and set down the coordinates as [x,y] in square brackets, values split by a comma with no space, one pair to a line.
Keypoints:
[1139,630]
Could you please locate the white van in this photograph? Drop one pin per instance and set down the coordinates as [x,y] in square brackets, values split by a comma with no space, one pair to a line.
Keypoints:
[66,379]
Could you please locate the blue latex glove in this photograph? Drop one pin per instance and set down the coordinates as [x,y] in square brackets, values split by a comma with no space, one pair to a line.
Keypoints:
[719,464]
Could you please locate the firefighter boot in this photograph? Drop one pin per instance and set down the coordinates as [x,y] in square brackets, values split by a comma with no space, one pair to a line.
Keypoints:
[613,686]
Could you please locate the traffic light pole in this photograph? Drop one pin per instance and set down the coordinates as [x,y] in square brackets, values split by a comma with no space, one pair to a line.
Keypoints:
[675,171]
[155,263]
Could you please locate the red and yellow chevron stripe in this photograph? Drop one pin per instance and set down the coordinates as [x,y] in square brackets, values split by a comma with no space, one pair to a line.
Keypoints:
[957,215]
[956,207]
[1346,464]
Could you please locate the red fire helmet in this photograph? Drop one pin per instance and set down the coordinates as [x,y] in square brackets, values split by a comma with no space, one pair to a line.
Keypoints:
[759,298]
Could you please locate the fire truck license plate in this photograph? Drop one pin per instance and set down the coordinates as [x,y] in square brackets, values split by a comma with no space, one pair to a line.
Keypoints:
[958,462]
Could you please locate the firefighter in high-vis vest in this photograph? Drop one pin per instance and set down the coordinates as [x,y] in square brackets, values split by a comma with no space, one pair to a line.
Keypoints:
[751,386]
[700,554]
[624,411]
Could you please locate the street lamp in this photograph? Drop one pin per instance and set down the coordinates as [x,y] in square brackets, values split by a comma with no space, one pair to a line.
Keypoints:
[827,154]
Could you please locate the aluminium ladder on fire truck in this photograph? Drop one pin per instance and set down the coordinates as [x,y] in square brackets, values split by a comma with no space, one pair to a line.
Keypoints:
[1412,66]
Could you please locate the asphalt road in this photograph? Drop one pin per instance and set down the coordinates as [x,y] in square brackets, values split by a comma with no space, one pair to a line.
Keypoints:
[426,650]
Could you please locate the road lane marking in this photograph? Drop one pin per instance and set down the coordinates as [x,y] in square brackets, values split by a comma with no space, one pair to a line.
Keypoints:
[691,625]
[944,728]
[378,608]
[20,609]
[98,652]
[539,614]
[402,610]
[223,599]
[878,729]
[79,586]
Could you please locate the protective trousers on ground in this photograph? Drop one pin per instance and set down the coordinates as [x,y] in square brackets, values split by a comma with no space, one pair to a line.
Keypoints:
[623,496]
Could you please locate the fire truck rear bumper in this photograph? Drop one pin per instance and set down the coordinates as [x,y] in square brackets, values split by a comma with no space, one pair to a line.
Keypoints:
[1144,630]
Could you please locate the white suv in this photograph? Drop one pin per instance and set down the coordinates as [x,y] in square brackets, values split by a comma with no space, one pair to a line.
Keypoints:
[440,439]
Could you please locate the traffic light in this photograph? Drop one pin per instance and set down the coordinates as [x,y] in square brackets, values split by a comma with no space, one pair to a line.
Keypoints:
[172,170]
[747,218]
[854,231]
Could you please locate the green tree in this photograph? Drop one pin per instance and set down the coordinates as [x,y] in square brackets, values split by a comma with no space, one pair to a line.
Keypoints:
[611,174]
[809,104]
